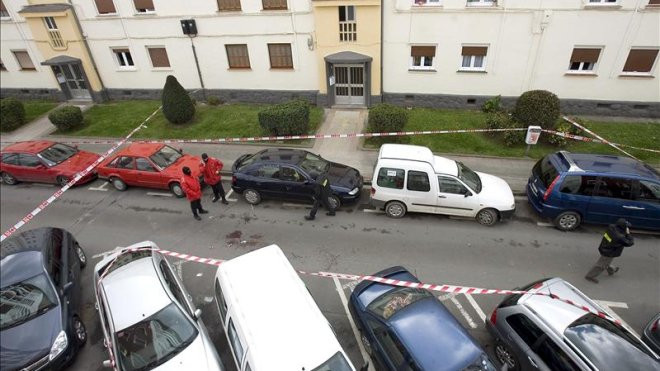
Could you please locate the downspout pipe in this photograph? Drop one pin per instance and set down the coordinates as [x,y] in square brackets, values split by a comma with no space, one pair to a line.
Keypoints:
[382,39]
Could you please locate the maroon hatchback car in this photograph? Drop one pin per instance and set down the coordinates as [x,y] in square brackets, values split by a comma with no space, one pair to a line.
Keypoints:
[44,161]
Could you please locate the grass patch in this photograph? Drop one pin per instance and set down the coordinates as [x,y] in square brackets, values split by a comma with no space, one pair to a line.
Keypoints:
[233,120]
[645,135]
[36,108]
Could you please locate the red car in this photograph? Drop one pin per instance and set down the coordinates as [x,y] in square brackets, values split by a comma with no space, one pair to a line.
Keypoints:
[149,165]
[44,161]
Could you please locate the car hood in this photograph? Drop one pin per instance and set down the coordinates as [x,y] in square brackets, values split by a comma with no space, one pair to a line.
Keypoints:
[343,176]
[28,342]
[495,192]
[78,162]
[175,170]
[194,357]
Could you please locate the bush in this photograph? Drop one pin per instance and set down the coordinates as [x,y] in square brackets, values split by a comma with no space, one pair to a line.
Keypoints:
[12,114]
[513,138]
[66,117]
[563,127]
[290,118]
[537,107]
[498,120]
[492,105]
[213,100]
[386,118]
[178,108]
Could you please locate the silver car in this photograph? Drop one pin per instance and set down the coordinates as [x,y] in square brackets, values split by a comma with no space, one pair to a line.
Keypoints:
[534,332]
[148,319]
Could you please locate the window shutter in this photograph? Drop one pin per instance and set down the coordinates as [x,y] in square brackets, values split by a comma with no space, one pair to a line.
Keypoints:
[640,60]
[159,57]
[144,4]
[585,55]
[475,50]
[2,7]
[280,55]
[422,51]
[274,4]
[105,6]
[237,55]
[24,60]
[225,5]
[654,2]
[120,50]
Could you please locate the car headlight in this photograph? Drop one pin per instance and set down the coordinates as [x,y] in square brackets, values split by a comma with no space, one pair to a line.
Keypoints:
[59,345]
[354,191]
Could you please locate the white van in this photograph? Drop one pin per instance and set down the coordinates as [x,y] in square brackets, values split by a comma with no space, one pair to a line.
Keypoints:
[271,321]
[411,179]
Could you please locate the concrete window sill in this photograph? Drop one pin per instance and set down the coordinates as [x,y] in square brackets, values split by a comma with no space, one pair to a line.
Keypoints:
[161,69]
[243,68]
[412,69]
[643,75]
[603,6]
[108,15]
[471,71]
[580,73]
[132,69]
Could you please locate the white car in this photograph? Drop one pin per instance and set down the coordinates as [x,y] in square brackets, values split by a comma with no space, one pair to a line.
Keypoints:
[411,179]
[148,319]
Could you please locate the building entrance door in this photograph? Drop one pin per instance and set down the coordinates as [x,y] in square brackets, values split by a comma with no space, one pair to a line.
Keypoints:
[349,84]
[72,77]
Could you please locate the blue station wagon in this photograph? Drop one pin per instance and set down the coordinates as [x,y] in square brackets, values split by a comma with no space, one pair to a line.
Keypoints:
[572,188]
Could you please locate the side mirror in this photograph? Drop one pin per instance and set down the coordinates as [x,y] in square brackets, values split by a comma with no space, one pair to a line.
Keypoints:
[197,313]
[467,193]
[180,150]
[67,287]
[41,166]
[365,367]
[107,363]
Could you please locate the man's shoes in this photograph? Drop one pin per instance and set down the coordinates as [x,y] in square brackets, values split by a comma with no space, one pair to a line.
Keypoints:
[215,199]
[225,202]
[197,217]
[591,279]
[203,211]
[308,217]
[611,270]
[330,213]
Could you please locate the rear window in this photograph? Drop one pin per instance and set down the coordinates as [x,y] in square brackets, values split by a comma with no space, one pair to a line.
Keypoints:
[124,259]
[513,299]
[390,178]
[394,300]
[545,171]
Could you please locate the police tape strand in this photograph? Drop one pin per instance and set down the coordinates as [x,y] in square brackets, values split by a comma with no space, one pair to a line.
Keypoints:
[613,145]
[73,181]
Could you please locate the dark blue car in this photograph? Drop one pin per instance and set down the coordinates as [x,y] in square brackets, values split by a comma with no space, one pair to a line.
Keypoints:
[410,329]
[571,188]
[289,174]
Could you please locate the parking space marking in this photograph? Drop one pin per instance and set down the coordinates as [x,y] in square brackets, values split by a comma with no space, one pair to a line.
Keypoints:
[344,302]
[100,188]
[160,194]
[608,305]
[476,307]
[373,211]
[613,304]
[465,314]
[544,224]
[289,204]
[231,191]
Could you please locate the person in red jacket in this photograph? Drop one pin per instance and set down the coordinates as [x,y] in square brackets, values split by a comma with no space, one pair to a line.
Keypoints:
[193,191]
[210,168]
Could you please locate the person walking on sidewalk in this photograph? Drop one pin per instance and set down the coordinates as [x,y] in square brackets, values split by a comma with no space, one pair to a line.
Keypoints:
[210,168]
[322,192]
[614,240]
[193,191]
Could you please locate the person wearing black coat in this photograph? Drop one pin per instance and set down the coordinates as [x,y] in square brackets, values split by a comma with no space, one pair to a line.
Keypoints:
[322,192]
[611,246]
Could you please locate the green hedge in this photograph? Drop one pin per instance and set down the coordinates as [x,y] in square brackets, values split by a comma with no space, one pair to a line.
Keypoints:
[178,108]
[290,118]
[386,118]
[67,117]
[537,107]
[12,114]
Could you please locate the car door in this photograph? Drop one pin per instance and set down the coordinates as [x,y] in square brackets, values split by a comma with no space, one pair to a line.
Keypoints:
[74,294]
[394,353]
[174,286]
[32,169]
[125,168]
[10,165]
[525,334]
[611,200]
[266,180]
[374,332]
[454,198]
[147,175]
[644,208]
[575,192]
[418,195]
[292,184]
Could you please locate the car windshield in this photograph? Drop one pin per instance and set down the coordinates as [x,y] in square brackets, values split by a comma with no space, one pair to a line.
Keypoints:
[165,157]
[25,300]
[608,345]
[314,163]
[57,153]
[396,299]
[154,340]
[336,363]
[468,176]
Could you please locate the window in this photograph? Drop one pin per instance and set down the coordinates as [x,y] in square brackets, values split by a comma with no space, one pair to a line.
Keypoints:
[124,58]
[578,185]
[525,328]
[291,175]
[142,164]
[474,58]
[2,66]
[614,188]
[418,181]
[421,57]
[171,283]
[553,356]
[602,1]
[390,178]
[126,162]
[29,160]
[584,59]
[10,158]
[640,61]
[428,2]
[158,57]
[220,300]
[50,23]
[451,185]
[144,6]
[236,345]
[395,300]
[53,258]
[237,56]
[648,191]
[3,11]
[654,3]
[229,5]
[105,6]
[280,56]
[268,171]
[347,24]
[394,349]
[481,2]
[274,4]
[24,60]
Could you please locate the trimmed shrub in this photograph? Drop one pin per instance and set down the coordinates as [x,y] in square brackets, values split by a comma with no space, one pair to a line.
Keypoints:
[492,105]
[178,108]
[66,117]
[12,114]
[563,127]
[537,107]
[386,117]
[213,100]
[290,118]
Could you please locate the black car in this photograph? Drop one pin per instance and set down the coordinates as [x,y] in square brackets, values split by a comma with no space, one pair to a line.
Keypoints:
[651,334]
[40,300]
[288,173]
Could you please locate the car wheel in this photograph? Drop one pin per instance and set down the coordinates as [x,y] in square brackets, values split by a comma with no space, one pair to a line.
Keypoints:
[82,258]
[8,179]
[506,357]
[252,196]
[568,221]
[395,209]
[177,190]
[79,331]
[487,217]
[334,202]
[62,180]
[118,184]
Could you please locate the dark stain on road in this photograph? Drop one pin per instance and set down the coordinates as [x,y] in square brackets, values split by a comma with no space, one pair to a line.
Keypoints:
[385,231]
[536,244]
[256,236]
[498,239]
[154,210]
[368,229]
[234,234]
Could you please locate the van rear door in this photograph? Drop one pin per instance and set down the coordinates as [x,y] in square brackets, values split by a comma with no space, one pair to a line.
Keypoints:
[544,173]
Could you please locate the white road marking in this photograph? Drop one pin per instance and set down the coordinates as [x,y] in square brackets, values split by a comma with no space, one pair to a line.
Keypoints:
[342,297]
[100,188]
[613,304]
[607,306]
[288,204]
[104,254]
[231,191]
[45,185]
[476,307]
[373,211]
[520,198]
[544,224]
[465,314]
[160,194]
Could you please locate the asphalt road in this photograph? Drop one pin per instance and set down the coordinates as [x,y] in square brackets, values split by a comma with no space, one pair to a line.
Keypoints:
[358,241]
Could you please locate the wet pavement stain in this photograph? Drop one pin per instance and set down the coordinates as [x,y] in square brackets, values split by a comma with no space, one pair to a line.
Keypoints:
[536,244]
[368,229]
[154,210]
[235,234]
[256,236]
[385,231]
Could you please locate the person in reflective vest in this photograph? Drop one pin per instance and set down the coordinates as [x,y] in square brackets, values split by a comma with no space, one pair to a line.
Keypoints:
[611,246]
[322,192]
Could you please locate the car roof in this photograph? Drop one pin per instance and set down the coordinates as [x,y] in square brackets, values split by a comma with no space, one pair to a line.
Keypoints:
[20,266]
[611,164]
[405,152]
[433,336]
[141,149]
[134,292]
[280,155]
[32,146]
[281,322]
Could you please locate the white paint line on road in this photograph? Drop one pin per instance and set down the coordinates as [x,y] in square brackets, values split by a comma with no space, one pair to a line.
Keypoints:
[610,311]
[103,254]
[100,188]
[288,204]
[160,194]
[476,307]
[446,296]
[520,198]
[356,333]
[45,185]
[613,304]
[231,191]
[373,211]
[544,224]
[465,314]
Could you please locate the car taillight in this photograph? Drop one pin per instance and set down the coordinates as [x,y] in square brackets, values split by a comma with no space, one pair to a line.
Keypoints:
[550,187]
[233,179]
[493,317]
[373,191]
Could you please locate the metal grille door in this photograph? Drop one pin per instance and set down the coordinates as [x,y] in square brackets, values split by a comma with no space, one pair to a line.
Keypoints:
[349,84]
[75,80]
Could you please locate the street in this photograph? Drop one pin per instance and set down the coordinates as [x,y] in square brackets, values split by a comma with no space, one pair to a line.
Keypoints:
[359,240]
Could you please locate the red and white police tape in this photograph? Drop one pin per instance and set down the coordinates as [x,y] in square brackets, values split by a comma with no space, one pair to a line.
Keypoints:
[613,145]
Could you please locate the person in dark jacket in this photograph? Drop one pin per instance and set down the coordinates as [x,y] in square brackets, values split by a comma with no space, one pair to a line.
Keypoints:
[614,240]
[322,192]
[210,168]
[193,191]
